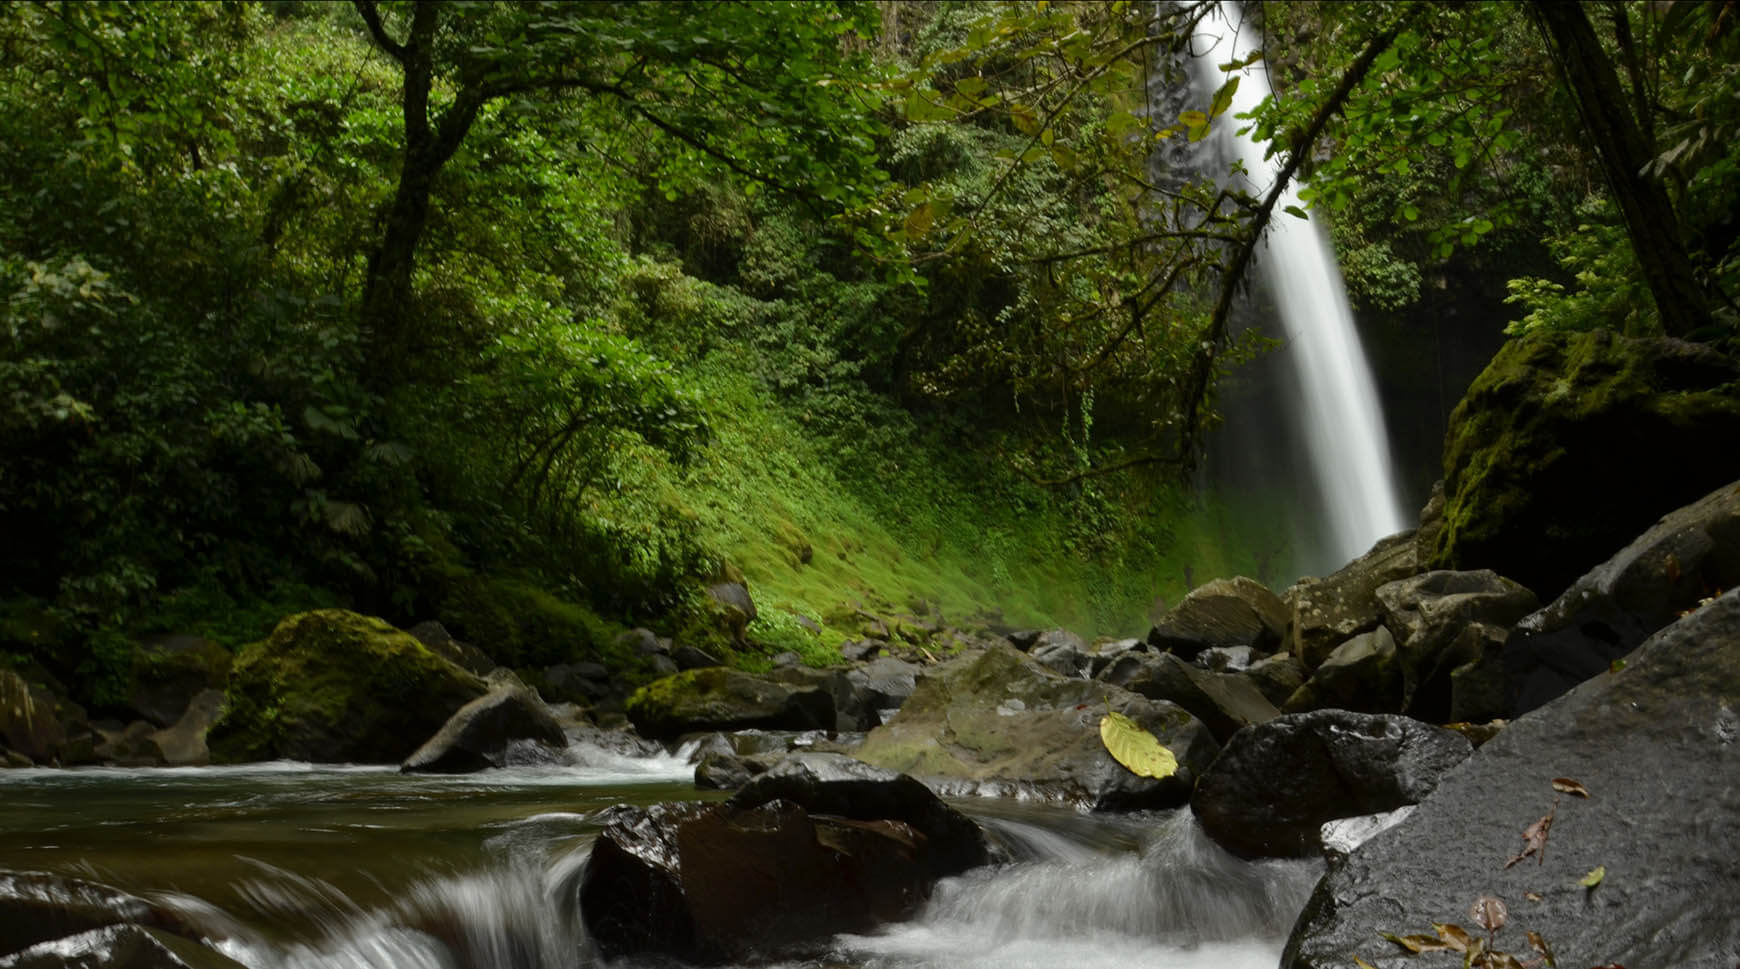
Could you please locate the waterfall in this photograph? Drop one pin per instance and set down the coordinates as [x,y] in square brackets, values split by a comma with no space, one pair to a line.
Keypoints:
[1336,416]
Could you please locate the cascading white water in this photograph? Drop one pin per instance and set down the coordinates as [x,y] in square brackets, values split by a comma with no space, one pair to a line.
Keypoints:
[1337,415]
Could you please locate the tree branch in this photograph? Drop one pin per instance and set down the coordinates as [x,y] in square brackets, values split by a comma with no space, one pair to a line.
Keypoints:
[371,16]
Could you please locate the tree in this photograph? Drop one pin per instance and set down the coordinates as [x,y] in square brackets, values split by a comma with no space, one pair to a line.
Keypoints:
[696,74]
[1626,151]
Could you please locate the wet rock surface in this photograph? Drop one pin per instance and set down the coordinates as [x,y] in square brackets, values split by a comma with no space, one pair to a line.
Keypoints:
[478,735]
[1688,555]
[778,869]
[1656,744]
[1275,785]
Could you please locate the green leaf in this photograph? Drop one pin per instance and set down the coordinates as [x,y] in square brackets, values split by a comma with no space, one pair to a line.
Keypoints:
[1223,97]
[1136,748]
[1296,212]
[1594,877]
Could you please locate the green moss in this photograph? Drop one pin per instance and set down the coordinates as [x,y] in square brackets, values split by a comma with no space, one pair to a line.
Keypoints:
[1568,445]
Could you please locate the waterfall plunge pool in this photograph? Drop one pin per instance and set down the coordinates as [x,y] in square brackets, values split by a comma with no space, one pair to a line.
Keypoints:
[297,866]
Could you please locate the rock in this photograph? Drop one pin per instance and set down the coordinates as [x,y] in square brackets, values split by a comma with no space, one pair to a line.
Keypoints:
[998,717]
[1430,614]
[1361,675]
[765,874]
[717,698]
[860,651]
[1329,611]
[120,947]
[884,685]
[441,642]
[787,658]
[693,658]
[725,772]
[1025,639]
[854,710]
[1656,744]
[1224,702]
[1342,835]
[577,682]
[1064,652]
[1224,612]
[1225,659]
[169,671]
[1276,677]
[335,686]
[1112,649]
[1691,553]
[37,907]
[28,725]
[1569,445]
[132,745]
[478,734]
[184,744]
[642,642]
[835,784]
[1274,786]
[733,607]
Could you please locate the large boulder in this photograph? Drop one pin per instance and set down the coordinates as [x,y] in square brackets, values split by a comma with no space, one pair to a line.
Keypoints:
[1275,785]
[1329,611]
[1657,747]
[479,734]
[996,718]
[1224,612]
[1430,615]
[335,686]
[1570,444]
[1224,702]
[810,850]
[717,698]
[1690,554]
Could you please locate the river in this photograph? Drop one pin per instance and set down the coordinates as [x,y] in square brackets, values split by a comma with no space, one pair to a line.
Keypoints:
[297,866]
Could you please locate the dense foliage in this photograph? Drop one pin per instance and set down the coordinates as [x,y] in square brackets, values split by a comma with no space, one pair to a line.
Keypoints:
[527,314]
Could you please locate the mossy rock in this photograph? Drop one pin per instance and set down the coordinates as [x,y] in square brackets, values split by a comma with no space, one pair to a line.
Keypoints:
[1569,445]
[718,698]
[334,686]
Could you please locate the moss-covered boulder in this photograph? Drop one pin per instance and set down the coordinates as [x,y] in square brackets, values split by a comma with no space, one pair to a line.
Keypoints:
[1569,445]
[717,698]
[334,686]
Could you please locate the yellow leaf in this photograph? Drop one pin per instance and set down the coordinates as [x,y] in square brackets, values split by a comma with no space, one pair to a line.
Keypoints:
[1135,748]
[1362,964]
[1564,785]
[1594,877]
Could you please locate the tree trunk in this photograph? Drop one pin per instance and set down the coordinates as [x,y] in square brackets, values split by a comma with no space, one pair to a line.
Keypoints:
[387,291]
[1625,152]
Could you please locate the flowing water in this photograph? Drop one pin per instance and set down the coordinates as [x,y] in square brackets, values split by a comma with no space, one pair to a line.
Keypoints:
[1335,413]
[292,866]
